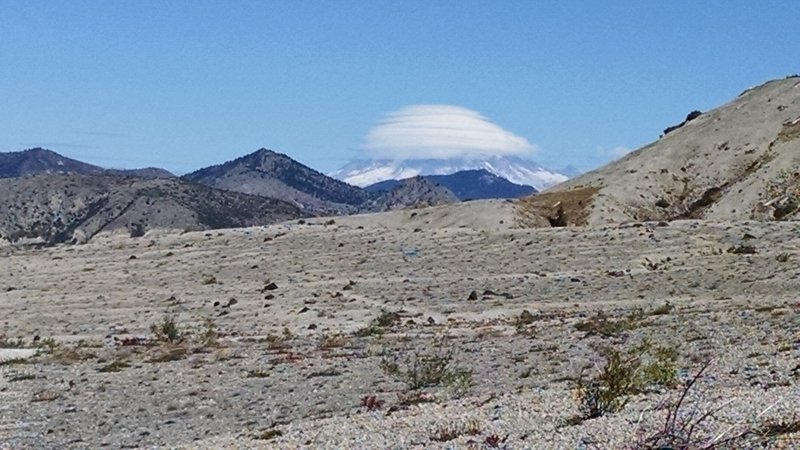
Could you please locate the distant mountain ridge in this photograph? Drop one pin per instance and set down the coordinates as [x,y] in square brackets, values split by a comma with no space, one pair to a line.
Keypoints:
[38,160]
[415,192]
[275,175]
[468,185]
[72,208]
[517,170]
[48,198]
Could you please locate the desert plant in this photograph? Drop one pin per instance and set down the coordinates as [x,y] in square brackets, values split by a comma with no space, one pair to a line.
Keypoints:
[601,324]
[662,367]
[279,341]
[115,366]
[209,335]
[166,330]
[625,373]
[664,309]
[369,330]
[451,431]
[22,377]
[428,369]
[44,396]
[69,355]
[743,249]
[371,403]
[377,326]
[686,429]
[608,391]
[48,343]
[494,440]
[329,341]
[459,383]
[7,342]
[257,373]
[269,434]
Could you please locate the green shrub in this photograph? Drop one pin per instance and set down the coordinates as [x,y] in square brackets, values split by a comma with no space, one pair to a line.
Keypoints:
[428,369]
[625,373]
[167,330]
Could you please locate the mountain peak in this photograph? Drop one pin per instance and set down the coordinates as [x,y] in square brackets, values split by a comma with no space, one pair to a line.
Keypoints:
[41,160]
[467,185]
[413,192]
[514,169]
[271,174]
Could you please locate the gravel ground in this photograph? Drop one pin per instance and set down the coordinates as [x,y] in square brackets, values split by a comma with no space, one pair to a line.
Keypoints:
[285,331]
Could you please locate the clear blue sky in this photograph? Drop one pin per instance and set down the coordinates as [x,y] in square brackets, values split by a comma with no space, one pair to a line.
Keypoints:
[185,84]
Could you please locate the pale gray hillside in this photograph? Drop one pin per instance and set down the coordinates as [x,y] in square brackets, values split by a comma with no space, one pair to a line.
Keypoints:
[413,192]
[56,208]
[738,161]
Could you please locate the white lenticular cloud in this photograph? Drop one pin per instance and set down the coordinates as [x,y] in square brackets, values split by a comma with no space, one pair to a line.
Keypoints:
[440,132]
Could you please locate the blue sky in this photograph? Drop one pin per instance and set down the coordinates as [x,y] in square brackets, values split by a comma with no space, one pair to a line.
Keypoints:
[185,84]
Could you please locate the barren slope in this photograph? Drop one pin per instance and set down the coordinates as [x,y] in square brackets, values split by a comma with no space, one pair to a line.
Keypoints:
[739,161]
[275,175]
[299,349]
[56,208]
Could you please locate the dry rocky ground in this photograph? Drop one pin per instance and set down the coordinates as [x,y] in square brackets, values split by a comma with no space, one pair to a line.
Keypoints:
[285,334]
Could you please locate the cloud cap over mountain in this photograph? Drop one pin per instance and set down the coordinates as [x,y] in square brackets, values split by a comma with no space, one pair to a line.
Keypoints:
[441,132]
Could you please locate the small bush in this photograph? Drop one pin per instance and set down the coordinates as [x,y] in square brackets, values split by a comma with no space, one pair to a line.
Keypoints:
[664,309]
[371,403]
[452,431]
[257,373]
[44,396]
[684,429]
[269,434]
[330,341]
[625,373]
[22,377]
[743,250]
[378,326]
[608,391]
[7,342]
[115,366]
[420,370]
[209,335]
[601,324]
[166,331]
[279,341]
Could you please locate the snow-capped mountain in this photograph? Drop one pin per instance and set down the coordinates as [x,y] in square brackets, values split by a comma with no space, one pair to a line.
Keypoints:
[514,169]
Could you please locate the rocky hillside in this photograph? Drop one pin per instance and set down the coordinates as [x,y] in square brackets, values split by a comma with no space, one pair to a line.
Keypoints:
[416,192]
[468,185]
[146,172]
[738,161]
[40,160]
[57,208]
[275,175]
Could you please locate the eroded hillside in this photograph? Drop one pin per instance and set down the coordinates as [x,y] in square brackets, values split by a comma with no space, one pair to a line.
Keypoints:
[738,161]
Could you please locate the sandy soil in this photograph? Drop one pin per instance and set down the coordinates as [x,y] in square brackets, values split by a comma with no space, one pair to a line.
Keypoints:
[292,309]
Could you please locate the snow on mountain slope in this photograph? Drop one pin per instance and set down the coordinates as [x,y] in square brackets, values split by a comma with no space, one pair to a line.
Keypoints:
[514,169]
